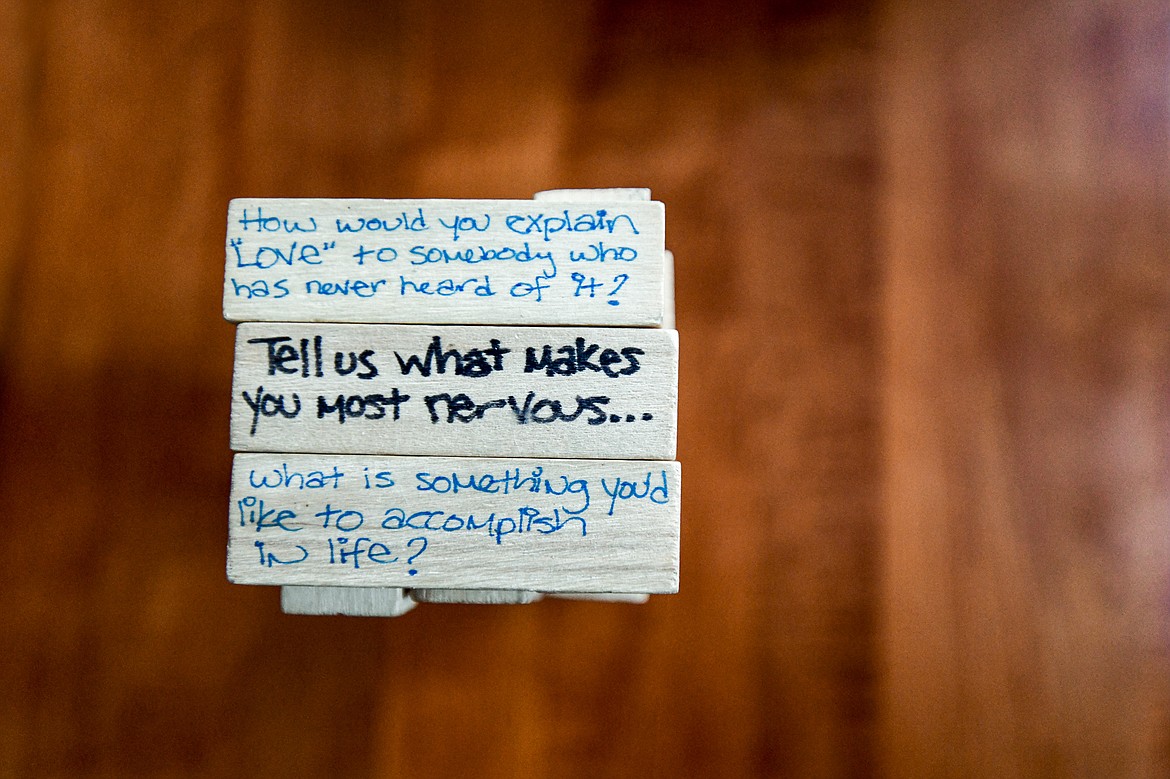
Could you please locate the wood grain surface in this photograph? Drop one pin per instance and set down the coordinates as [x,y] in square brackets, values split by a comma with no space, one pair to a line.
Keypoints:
[921,286]
[1027,391]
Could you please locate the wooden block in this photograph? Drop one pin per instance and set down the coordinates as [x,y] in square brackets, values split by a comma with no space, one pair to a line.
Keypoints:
[668,289]
[478,597]
[614,194]
[453,261]
[455,523]
[607,597]
[456,390]
[349,601]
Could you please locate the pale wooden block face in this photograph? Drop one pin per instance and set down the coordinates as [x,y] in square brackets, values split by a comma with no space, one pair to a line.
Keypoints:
[351,601]
[456,390]
[462,523]
[477,597]
[450,261]
[604,597]
[593,195]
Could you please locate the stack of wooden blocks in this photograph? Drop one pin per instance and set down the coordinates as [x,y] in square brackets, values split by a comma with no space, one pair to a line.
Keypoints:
[453,400]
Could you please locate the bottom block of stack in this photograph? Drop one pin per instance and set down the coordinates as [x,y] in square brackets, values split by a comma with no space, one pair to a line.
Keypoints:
[434,524]
[396,601]
[484,597]
[351,601]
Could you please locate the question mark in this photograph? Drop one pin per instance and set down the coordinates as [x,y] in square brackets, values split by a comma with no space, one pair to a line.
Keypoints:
[624,277]
[414,556]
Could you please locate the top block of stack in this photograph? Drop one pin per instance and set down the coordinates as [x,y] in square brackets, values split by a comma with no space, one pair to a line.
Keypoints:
[488,262]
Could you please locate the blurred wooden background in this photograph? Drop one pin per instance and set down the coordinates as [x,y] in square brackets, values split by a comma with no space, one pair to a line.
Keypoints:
[924,303]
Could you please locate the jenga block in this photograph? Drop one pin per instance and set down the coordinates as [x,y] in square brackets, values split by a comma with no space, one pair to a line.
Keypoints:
[351,601]
[492,597]
[571,262]
[461,523]
[456,390]
[612,194]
